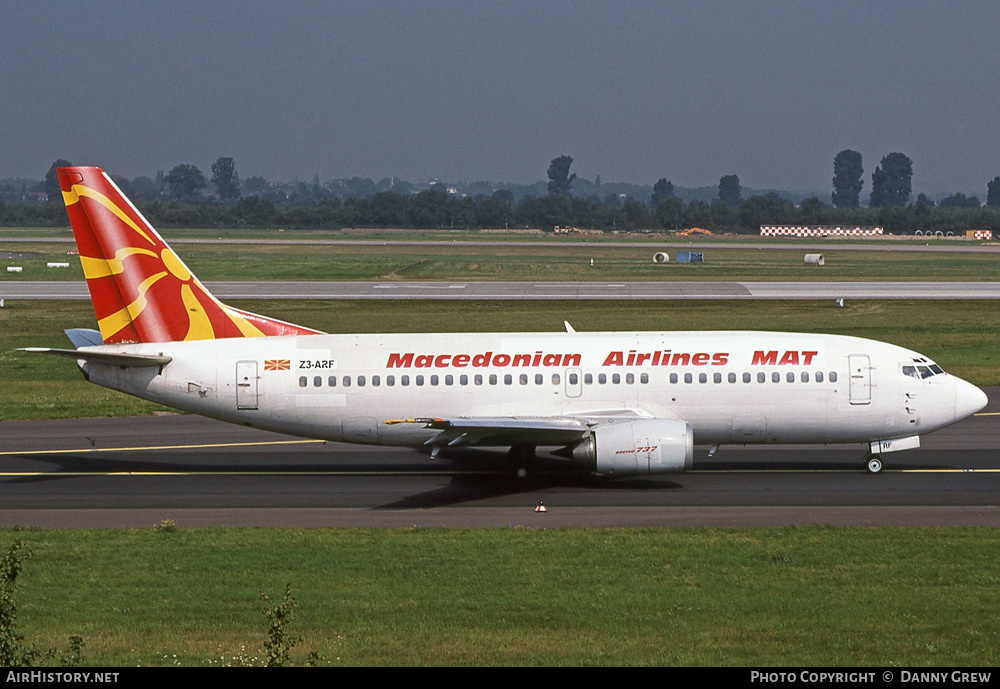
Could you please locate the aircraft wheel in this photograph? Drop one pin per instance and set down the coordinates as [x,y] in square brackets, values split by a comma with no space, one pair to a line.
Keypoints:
[873,464]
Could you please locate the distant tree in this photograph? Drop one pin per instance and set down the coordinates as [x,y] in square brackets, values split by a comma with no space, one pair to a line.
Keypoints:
[662,190]
[922,200]
[559,177]
[765,209]
[255,185]
[185,181]
[891,181]
[812,211]
[225,178]
[847,182]
[959,201]
[495,210]
[145,189]
[635,215]
[729,190]
[993,192]
[669,212]
[52,180]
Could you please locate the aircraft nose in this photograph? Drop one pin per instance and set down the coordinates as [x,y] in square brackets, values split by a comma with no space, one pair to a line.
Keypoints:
[968,399]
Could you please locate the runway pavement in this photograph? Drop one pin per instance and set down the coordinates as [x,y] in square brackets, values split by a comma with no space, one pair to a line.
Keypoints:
[32,290]
[136,472]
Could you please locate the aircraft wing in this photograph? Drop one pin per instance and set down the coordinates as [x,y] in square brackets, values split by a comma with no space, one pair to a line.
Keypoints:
[495,431]
[502,430]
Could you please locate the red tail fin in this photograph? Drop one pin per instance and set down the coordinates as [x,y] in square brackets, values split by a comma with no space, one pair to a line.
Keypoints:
[142,292]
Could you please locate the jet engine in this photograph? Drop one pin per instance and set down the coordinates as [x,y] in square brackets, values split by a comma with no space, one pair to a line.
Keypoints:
[629,448]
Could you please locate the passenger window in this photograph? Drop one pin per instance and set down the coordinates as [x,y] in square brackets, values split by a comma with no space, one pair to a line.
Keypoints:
[588,378]
[673,378]
[332,381]
[629,378]
[478,379]
[508,379]
[463,379]
[644,378]
[790,377]
[493,379]
[539,379]
[405,380]
[732,377]
[688,378]
[775,377]
[390,380]
[761,377]
[702,377]
[347,381]
[819,376]
[573,378]
[303,381]
[746,377]
[833,376]
[717,377]
[555,379]
[523,378]
[361,381]
[434,380]
[805,376]
[376,381]
[419,380]
[616,378]
[317,381]
[602,378]
[449,380]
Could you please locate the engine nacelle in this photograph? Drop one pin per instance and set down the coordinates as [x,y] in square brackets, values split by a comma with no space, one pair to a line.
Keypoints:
[645,446]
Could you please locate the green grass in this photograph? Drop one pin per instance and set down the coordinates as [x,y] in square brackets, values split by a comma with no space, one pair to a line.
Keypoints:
[960,335]
[795,596]
[547,261]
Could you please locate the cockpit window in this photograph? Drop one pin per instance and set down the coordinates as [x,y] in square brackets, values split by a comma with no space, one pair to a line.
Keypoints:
[922,371]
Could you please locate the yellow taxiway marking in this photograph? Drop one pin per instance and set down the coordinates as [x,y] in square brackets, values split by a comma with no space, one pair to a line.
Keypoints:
[846,470]
[242,473]
[988,413]
[157,447]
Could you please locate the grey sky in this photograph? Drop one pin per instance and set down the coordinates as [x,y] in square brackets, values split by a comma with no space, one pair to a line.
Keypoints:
[634,91]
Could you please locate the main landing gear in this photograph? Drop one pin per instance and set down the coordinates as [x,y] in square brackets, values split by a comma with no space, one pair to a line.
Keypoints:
[873,464]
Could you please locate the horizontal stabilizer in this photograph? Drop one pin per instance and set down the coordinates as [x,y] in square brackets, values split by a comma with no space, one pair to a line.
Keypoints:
[108,358]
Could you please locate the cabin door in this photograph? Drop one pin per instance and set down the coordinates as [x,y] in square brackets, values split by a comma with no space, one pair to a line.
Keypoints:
[861,379]
[246,384]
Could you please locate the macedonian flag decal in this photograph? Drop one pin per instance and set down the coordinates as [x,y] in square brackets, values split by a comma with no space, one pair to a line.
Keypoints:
[277,364]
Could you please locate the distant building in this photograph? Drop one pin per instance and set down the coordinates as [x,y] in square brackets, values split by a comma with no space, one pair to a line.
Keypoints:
[819,231]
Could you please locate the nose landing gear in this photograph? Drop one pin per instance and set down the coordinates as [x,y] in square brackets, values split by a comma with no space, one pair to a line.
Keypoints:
[873,464]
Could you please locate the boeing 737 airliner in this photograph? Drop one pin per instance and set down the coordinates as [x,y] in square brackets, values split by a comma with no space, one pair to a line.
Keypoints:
[615,403]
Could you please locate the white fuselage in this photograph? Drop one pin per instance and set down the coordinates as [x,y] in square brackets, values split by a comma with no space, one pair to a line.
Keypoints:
[732,387]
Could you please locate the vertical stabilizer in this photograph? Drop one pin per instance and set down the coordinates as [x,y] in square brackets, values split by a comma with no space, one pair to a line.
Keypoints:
[141,290]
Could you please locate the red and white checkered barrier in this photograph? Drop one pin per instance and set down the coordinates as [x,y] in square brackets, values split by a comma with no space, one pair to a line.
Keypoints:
[818,231]
[982,234]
